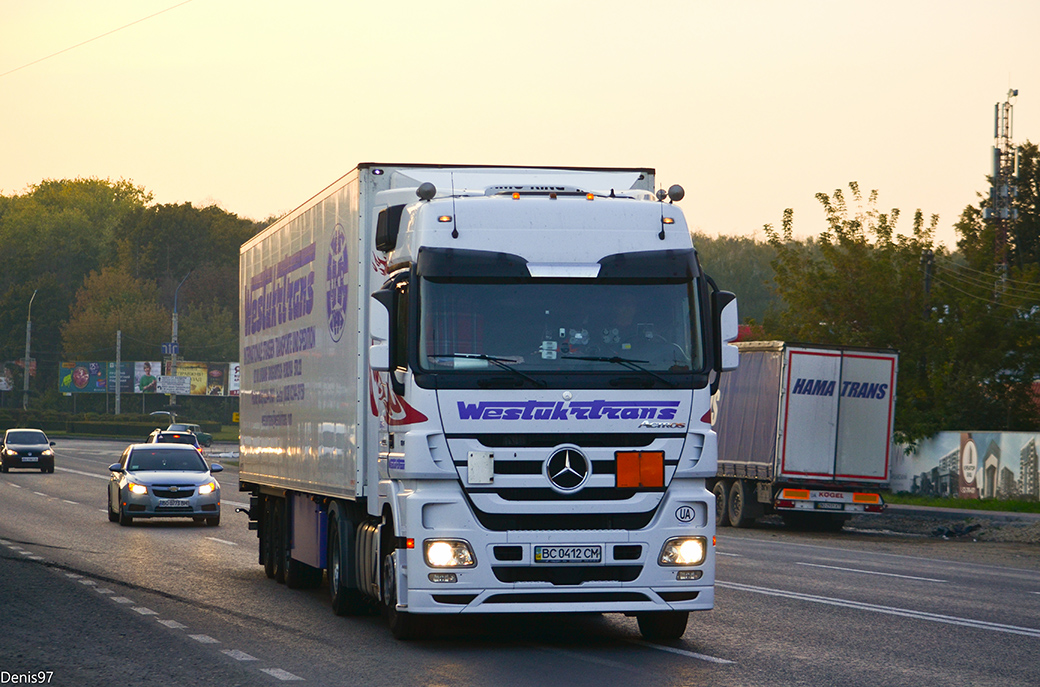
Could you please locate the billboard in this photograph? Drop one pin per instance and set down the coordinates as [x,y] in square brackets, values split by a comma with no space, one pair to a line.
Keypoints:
[143,377]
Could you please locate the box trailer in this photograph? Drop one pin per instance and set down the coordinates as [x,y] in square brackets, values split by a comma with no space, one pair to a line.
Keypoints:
[804,431]
[484,390]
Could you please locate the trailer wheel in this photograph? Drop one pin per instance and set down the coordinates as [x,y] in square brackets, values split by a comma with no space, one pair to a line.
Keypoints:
[742,508]
[721,503]
[662,625]
[346,600]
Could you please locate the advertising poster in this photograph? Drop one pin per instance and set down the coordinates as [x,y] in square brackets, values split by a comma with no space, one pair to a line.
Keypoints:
[83,377]
[8,376]
[234,379]
[146,376]
[199,374]
[125,377]
[217,376]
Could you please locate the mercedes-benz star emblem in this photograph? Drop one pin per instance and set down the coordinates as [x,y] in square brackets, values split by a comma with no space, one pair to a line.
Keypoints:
[567,470]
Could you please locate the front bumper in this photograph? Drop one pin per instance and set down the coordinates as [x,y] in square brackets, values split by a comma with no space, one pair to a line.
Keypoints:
[152,506]
[507,579]
[34,462]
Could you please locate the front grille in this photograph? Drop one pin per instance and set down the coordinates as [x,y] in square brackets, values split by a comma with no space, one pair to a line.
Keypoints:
[502,522]
[168,493]
[567,574]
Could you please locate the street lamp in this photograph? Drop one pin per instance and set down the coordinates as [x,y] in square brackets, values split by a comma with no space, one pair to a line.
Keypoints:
[173,353]
[28,335]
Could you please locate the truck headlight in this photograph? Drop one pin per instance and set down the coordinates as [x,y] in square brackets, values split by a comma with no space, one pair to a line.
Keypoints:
[448,553]
[684,551]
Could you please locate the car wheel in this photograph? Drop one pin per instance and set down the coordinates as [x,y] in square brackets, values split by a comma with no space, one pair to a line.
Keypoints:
[3,468]
[112,515]
[124,519]
[213,521]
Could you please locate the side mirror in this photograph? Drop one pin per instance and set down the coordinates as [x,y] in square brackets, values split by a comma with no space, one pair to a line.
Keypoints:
[726,321]
[379,330]
[216,467]
[115,467]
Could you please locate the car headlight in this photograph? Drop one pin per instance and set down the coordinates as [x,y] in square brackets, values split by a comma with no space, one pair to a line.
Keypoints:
[136,488]
[448,553]
[207,488]
[48,453]
[684,551]
[9,452]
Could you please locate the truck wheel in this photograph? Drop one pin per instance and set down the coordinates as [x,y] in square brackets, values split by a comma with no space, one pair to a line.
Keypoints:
[662,625]
[346,600]
[403,625]
[742,511]
[721,504]
[277,542]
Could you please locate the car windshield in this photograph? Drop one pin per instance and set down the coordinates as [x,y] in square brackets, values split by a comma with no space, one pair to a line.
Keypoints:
[143,459]
[566,326]
[179,428]
[26,437]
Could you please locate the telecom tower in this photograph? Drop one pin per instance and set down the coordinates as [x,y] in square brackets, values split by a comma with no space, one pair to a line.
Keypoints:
[1005,173]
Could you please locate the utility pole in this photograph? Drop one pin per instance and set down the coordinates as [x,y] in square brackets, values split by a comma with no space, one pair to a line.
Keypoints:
[173,353]
[119,365]
[28,336]
[927,262]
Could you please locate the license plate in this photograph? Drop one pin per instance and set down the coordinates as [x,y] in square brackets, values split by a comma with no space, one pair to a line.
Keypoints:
[30,459]
[174,503]
[568,554]
[826,505]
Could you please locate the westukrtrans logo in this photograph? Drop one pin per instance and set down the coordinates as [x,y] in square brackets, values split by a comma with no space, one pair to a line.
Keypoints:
[568,410]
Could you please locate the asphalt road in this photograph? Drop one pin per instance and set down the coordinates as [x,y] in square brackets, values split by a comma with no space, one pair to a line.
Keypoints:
[175,603]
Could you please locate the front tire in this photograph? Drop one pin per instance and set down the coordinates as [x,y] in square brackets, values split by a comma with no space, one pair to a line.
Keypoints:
[124,519]
[213,521]
[403,625]
[662,626]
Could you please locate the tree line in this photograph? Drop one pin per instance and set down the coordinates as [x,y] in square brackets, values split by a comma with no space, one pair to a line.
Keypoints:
[102,258]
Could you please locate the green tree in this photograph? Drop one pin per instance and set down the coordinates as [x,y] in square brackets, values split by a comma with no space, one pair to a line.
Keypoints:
[742,265]
[860,284]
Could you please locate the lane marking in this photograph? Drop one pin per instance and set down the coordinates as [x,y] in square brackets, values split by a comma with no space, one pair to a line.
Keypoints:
[204,639]
[223,541]
[239,655]
[681,652]
[172,624]
[869,572]
[280,674]
[83,472]
[122,600]
[16,486]
[888,610]
[144,611]
[732,555]
[74,503]
[89,583]
[40,493]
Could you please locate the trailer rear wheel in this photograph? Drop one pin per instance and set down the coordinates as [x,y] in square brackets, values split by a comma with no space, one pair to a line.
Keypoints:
[743,509]
[662,625]
[266,533]
[721,504]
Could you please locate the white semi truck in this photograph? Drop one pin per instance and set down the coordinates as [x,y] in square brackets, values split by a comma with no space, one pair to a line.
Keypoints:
[484,390]
[805,431]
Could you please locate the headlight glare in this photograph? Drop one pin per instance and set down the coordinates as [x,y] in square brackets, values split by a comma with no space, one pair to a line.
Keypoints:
[138,489]
[448,553]
[207,488]
[684,551]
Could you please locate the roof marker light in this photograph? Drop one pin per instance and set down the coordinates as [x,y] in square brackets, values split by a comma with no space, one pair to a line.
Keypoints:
[516,195]
[444,218]
[590,196]
[668,220]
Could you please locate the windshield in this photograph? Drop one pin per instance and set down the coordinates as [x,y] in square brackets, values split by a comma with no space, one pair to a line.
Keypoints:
[24,437]
[165,459]
[565,326]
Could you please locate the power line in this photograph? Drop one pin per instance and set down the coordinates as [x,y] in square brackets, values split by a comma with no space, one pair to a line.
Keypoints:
[91,40]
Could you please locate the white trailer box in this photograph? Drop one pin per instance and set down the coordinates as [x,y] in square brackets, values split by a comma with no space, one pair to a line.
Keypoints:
[484,390]
[804,429]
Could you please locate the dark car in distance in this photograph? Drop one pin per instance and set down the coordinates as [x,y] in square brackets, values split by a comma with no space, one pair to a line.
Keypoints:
[26,448]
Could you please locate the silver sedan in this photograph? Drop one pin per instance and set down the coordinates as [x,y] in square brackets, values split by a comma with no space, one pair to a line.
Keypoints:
[163,481]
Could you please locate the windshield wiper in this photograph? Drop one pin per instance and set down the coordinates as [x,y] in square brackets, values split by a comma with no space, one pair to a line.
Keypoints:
[500,362]
[625,362]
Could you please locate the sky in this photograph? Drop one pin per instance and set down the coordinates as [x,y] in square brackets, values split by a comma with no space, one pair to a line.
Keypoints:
[751,106]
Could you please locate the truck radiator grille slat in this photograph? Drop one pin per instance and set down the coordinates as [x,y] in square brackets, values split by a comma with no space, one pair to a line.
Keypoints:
[567,575]
[502,522]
